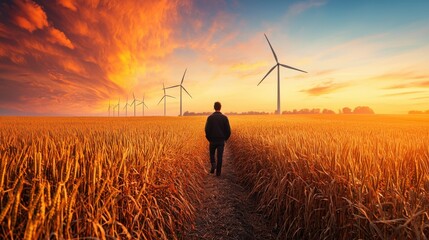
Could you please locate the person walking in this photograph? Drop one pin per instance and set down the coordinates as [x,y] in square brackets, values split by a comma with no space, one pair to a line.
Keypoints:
[217,133]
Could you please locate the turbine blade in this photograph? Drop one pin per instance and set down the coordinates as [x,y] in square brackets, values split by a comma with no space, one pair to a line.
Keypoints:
[172,86]
[134,96]
[145,105]
[183,78]
[286,66]
[267,74]
[275,56]
[186,91]
[161,99]
[169,96]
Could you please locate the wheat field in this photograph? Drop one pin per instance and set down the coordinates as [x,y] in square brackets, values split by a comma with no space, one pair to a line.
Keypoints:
[314,177]
[124,178]
[338,177]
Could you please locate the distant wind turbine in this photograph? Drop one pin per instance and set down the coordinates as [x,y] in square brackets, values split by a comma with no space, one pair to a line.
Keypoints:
[114,107]
[118,105]
[109,108]
[126,108]
[181,87]
[143,105]
[134,103]
[165,99]
[278,74]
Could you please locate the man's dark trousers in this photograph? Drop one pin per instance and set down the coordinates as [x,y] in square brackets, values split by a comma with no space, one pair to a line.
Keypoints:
[219,147]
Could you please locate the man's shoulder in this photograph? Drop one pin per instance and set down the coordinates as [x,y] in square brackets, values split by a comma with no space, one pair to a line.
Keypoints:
[217,115]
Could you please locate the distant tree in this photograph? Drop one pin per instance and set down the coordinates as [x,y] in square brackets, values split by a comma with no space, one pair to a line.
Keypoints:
[363,110]
[347,110]
[328,111]
[415,112]
[315,111]
[305,111]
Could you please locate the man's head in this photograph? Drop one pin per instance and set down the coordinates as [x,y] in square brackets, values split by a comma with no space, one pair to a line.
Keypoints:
[217,106]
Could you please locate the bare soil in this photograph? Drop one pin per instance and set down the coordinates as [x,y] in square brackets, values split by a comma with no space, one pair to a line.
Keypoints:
[226,211]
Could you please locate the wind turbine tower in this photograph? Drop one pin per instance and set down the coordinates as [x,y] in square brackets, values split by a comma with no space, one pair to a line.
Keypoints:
[118,105]
[165,99]
[143,105]
[278,65]
[126,108]
[181,88]
[134,103]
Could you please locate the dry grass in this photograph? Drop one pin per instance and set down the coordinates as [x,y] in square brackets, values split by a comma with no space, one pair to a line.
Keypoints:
[98,177]
[315,177]
[337,177]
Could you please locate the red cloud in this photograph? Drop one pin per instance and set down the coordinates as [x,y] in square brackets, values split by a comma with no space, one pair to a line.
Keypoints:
[56,36]
[29,15]
[324,88]
[70,4]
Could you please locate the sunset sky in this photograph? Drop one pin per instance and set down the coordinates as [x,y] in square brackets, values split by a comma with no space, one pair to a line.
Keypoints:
[71,57]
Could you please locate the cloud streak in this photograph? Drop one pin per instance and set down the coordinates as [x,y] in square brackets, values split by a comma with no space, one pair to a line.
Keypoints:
[324,88]
[402,93]
[418,84]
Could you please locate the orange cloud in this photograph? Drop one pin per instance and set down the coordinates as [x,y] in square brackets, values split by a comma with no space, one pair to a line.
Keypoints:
[29,15]
[70,4]
[72,66]
[56,36]
[421,84]
[324,88]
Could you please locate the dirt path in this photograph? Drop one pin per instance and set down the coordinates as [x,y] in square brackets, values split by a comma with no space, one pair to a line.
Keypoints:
[226,212]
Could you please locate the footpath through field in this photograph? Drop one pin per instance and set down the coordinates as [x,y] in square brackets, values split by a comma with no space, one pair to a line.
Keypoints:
[226,212]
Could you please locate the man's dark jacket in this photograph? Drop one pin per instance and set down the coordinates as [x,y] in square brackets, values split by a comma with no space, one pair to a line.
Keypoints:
[217,128]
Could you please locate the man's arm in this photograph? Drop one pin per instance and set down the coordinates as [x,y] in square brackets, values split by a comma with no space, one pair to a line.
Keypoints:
[207,129]
[227,129]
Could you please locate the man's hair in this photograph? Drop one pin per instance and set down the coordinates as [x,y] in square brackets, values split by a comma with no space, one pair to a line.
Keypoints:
[217,106]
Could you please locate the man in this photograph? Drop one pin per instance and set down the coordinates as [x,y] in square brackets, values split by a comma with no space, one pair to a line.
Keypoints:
[217,132]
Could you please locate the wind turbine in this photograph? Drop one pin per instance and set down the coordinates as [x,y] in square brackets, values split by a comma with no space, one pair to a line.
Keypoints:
[165,98]
[126,108]
[134,102]
[113,110]
[143,105]
[278,74]
[118,105]
[109,108]
[114,107]
[181,87]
